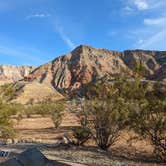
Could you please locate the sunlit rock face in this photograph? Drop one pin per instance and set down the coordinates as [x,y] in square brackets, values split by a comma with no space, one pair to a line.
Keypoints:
[79,67]
[84,64]
[10,73]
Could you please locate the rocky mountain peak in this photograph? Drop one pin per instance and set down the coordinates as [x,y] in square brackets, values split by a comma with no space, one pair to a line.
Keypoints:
[84,64]
[79,67]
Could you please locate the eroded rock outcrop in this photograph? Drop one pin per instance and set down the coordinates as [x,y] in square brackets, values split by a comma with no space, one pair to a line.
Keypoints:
[10,73]
[84,64]
[81,66]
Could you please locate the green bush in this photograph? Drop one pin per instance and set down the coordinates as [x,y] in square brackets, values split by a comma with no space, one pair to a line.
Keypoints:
[6,128]
[105,113]
[8,92]
[47,108]
[81,134]
[150,123]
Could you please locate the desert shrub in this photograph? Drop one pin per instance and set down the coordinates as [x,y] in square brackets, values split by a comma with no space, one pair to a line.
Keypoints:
[147,112]
[56,116]
[106,120]
[47,108]
[8,92]
[81,134]
[150,123]
[7,132]
[105,113]
[6,128]
[125,102]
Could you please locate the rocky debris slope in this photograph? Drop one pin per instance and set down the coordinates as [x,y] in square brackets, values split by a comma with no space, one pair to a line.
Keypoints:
[10,73]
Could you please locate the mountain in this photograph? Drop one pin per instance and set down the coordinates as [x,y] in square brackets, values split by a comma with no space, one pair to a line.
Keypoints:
[153,61]
[79,67]
[10,73]
[84,64]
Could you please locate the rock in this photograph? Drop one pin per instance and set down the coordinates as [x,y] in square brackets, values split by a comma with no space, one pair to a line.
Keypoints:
[10,73]
[9,141]
[84,64]
[30,157]
[79,67]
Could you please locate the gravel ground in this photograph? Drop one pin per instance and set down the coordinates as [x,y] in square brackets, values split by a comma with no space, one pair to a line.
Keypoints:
[78,156]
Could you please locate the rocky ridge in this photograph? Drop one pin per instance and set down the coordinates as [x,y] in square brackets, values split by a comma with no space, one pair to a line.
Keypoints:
[84,64]
[10,73]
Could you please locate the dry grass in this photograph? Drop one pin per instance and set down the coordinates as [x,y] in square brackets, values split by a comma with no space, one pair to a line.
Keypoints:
[36,91]
[41,129]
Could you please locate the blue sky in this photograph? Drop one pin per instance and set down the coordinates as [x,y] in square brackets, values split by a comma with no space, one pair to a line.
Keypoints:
[33,32]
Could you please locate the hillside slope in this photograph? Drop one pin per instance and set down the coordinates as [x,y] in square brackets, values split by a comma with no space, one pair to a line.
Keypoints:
[85,64]
[34,92]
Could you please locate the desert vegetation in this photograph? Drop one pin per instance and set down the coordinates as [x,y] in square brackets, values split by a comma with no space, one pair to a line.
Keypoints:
[125,103]
[8,110]
[107,109]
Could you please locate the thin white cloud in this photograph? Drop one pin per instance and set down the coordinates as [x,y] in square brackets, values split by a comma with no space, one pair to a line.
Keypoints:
[140,41]
[157,41]
[128,9]
[38,15]
[156,21]
[141,4]
[64,37]
[112,33]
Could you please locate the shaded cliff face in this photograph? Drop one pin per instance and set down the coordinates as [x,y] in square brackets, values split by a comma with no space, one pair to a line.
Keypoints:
[14,73]
[153,61]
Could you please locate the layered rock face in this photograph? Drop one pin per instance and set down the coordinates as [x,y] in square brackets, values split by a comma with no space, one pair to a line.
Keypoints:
[14,73]
[80,66]
[153,61]
[84,64]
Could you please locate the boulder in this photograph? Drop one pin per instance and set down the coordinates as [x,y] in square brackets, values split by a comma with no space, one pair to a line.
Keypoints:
[30,157]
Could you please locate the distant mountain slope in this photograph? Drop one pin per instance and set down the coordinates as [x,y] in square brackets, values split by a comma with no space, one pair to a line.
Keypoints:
[80,66]
[85,64]
[153,61]
[10,73]
[34,92]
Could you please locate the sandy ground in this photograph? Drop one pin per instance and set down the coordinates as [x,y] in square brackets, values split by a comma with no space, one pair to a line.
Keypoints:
[41,130]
